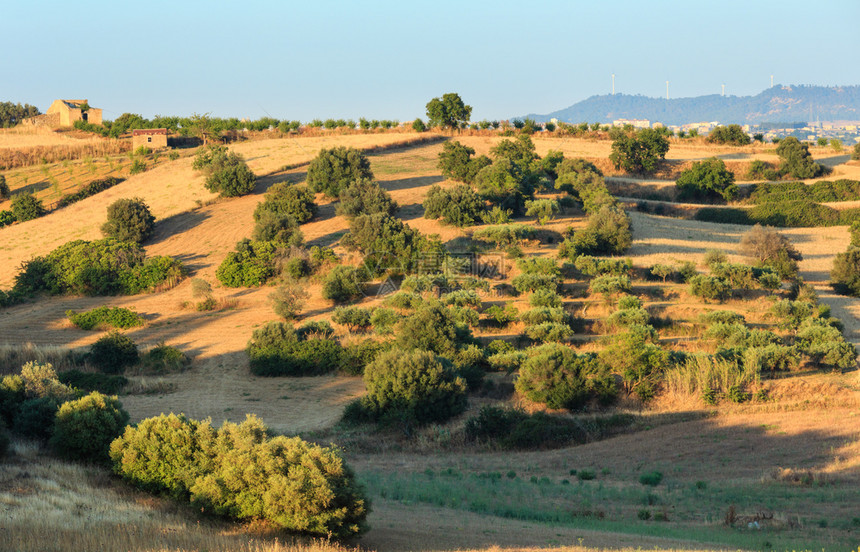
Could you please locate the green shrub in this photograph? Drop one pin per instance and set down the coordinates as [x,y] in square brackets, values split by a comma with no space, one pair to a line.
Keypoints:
[639,361]
[771,249]
[26,207]
[4,188]
[496,215]
[542,209]
[226,172]
[652,479]
[164,359]
[344,283]
[457,206]
[334,169]
[545,298]
[88,381]
[251,264]
[559,378]
[707,179]
[404,300]
[541,315]
[515,429]
[387,242]
[414,385]
[593,266]
[627,317]
[288,300]
[287,199]
[105,317]
[294,485]
[825,345]
[34,418]
[530,282]
[357,355]
[507,234]
[113,353]
[102,267]
[608,233]
[433,327]
[547,332]
[609,285]
[418,125]
[759,170]
[85,428]
[364,197]
[129,220]
[721,316]
[791,314]
[639,153]
[501,317]
[354,318]
[796,161]
[732,134]
[771,358]
[6,218]
[277,349]
[709,287]
[845,274]
[462,298]
[277,229]
[456,162]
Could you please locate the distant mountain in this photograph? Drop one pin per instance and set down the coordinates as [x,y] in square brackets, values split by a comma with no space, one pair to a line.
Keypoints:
[779,104]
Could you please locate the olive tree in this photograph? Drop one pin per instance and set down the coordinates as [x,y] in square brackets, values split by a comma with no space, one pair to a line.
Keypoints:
[449,111]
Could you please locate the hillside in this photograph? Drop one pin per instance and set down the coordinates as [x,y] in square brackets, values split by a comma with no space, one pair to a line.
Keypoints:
[780,103]
[783,455]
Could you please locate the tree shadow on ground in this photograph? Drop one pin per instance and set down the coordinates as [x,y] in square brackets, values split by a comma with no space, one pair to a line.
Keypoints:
[409,183]
[176,224]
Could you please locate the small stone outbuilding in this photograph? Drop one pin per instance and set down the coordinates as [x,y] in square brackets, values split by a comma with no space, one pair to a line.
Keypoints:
[153,138]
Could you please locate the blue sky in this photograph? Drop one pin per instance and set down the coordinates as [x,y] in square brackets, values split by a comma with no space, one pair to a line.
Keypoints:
[386,59]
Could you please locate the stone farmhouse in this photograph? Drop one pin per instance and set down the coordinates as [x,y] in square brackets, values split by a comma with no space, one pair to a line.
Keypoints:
[64,113]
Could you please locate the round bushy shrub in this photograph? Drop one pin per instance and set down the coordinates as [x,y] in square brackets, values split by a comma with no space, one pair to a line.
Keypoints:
[559,378]
[278,228]
[34,418]
[85,428]
[364,197]
[333,169]
[845,275]
[344,283]
[707,179]
[277,349]
[457,206]
[27,207]
[226,172]
[164,454]
[417,385]
[4,188]
[433,327]
[113,353]
[129,220]
[285,198]
[251,264]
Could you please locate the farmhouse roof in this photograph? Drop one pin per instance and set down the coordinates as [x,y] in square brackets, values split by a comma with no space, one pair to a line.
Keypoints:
[74,104]
[148,131]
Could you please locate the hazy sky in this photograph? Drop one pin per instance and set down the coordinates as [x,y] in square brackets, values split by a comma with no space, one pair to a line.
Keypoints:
[387,59]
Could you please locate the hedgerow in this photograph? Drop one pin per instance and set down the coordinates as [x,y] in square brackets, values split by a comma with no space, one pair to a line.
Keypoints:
[91,189]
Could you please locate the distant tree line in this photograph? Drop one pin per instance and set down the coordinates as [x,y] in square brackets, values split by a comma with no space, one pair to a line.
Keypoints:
[11,114]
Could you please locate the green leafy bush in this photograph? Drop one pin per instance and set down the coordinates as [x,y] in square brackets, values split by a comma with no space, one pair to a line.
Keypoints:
[542,209]
[559,378]
[772,249]
[102,267]
[433,327]
[26,207]
[276,229]
[507,234]
[533,282]
[277,349]
[639,153]
[593,266]
[653,478]
[547,332]
[364,197]
[251,264]
[226,172]
[85,428]
[6,218]
[501,317]
[285,198]
[129,220]
[357,355]
[639,361]
[113,353]
[796,161]
[4,188]
[383,320]
[164,359]
[825,345]
[709,287]
[344,283]
[608,232]
[707,179]
[387,242]
[34,418]
[609,285]
[415,385]
[457,206]
[845,274]
[456,162]
[732,134]
[105,317]
[334,169]
[354,318]
[288,300]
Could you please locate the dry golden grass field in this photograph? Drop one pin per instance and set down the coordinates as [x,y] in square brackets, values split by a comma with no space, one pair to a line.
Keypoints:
[791,465]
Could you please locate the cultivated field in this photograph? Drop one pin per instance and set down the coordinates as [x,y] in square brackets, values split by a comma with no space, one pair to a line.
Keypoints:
[790,465]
